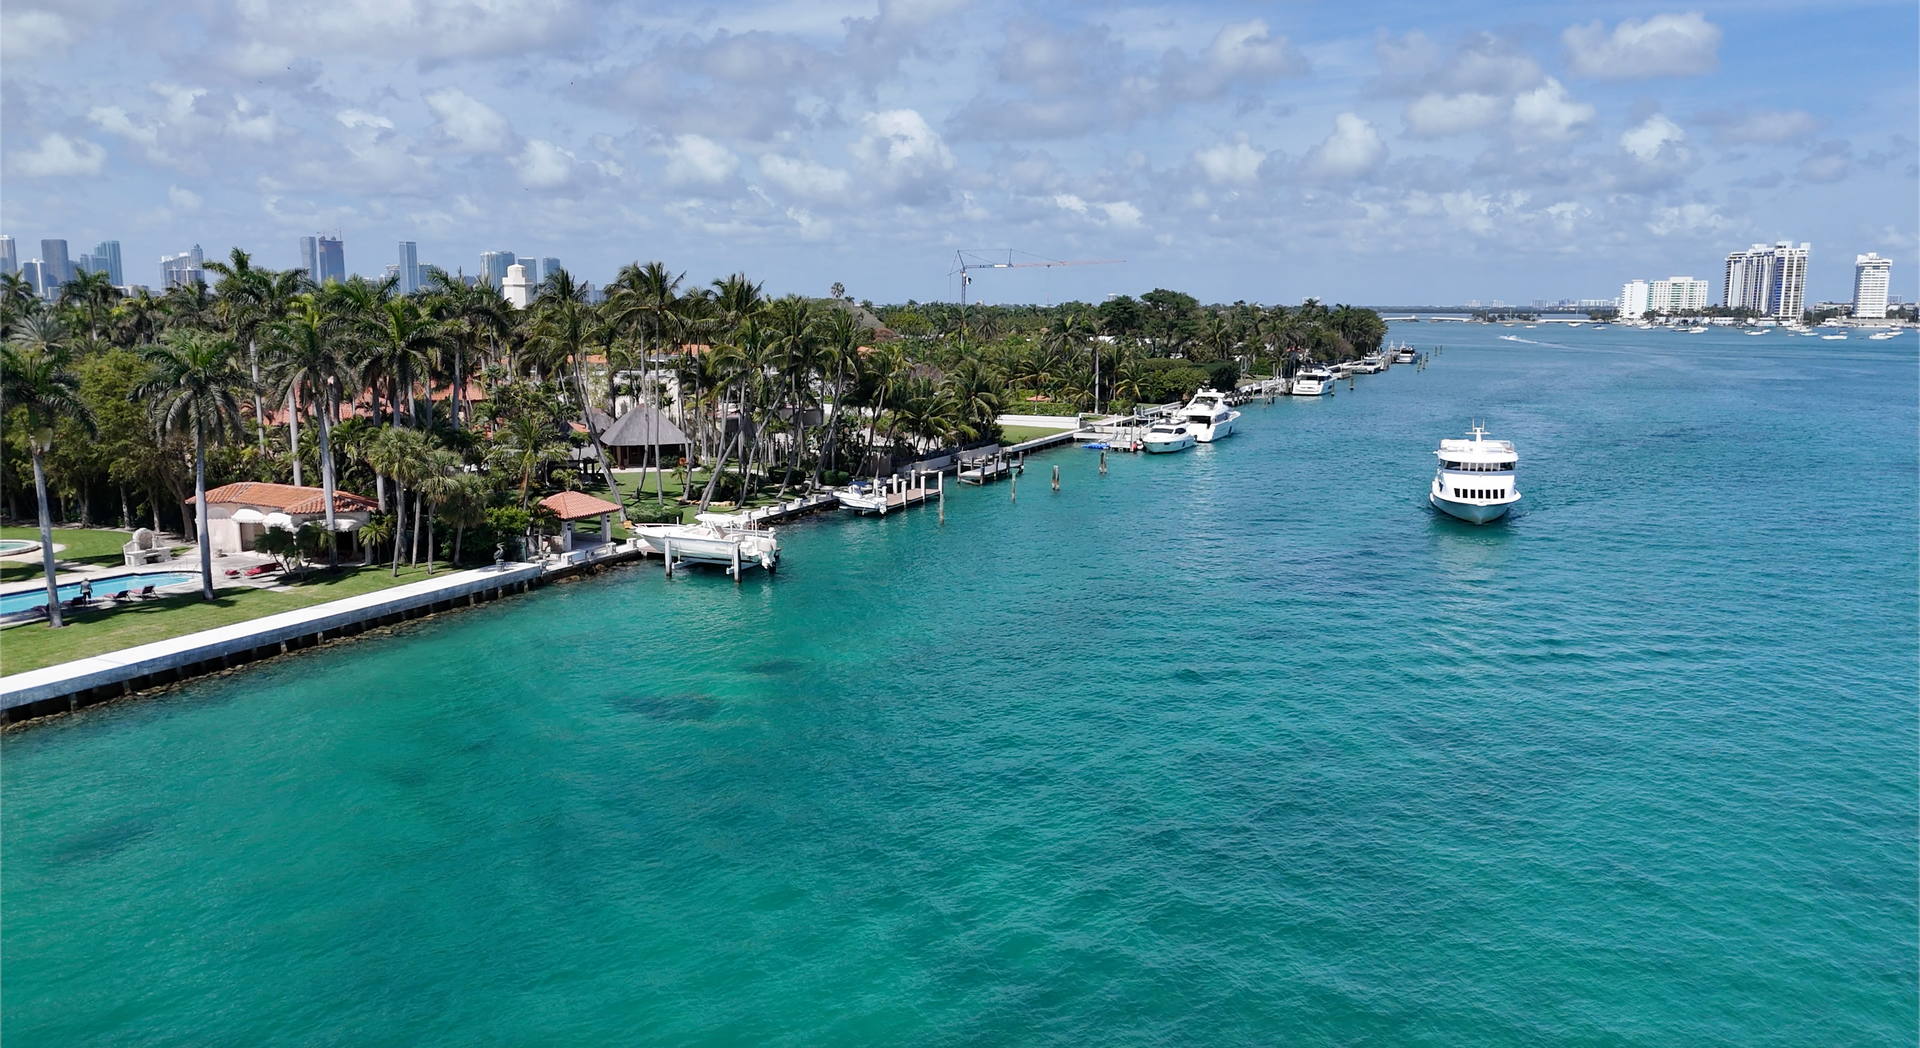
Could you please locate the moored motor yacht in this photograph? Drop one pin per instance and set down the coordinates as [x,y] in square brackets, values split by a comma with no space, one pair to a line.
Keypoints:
[1167,436]
[1209,417]
[1312,382]
[1475,479]
[715,539]
[1405,355]
[1371,364]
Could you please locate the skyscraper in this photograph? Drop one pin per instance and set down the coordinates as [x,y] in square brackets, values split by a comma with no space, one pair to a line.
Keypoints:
[106,259]
[1677,295]
[1634,296]
[54,254]
[34,272]
[1770,281]
[493,267]
[182,270]
[324,258]
[9,256]
[1871,276]
[548,267]
[409,267]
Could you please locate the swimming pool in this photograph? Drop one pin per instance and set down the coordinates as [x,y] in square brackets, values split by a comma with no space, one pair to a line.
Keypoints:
[107,587]
[9,547]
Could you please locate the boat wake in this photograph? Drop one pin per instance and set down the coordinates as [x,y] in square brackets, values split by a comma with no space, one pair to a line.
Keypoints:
[1517,338]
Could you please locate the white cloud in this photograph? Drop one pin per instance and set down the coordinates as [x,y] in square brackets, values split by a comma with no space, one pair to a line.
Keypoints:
[243,122]
[1122,213]
[1070,202]
[28,35]
[1695,219]
[1764,127]
[1353,150]
[1549,112]
[469,124]
[1664,45]
[694,160]
[1240,53]
[902,152]
[1646,140]
[415,30]
[184,200]
[1434,115]
[804,177]
[544,165]
[115,121]
[1231,163]
[57,155]
[362,118]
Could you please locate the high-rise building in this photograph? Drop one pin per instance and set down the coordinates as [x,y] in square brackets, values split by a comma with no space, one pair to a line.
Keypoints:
[409,267]
[494,265]
[9,256]
[182,270]
[1871,276]
[34,272]
[1677,295]
[324,258]
[1634,298]
[548,267]
[54,254]
[106,259]
[1770,281]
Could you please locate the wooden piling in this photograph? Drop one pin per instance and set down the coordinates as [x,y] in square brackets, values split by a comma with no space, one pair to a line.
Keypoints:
[1056,478]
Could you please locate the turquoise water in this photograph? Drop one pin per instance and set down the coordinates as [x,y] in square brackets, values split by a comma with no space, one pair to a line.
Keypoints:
[107,587]
[1238,746]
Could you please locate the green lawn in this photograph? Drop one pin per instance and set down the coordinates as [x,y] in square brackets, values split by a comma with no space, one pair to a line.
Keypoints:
[84,546]
[1021,434]
[96,632]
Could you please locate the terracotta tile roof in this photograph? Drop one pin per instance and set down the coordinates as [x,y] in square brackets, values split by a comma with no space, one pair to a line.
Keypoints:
[576,505]
[286,498]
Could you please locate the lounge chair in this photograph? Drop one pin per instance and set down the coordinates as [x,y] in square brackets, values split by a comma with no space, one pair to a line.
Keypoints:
[147,593]
[234,573]
[260,569]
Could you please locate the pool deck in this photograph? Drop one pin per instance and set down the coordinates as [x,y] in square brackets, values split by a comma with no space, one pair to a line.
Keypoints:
[70,685]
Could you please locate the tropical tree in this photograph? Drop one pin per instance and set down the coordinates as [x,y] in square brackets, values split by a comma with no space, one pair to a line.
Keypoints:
[524,446]
[397,452]
[90,295]
[194,386]
[309,353]
[37,378]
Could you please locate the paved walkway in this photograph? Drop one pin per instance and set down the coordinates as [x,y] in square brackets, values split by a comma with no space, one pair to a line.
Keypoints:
[81,675]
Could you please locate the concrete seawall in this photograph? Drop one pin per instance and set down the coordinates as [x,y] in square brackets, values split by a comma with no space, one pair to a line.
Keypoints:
[84,682]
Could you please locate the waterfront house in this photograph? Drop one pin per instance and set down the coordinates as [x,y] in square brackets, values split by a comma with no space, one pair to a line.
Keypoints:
[238,514]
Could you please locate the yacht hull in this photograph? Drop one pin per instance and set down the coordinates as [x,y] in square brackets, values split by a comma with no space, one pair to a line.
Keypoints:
[1471,512]
[1209,434]
[1167,447]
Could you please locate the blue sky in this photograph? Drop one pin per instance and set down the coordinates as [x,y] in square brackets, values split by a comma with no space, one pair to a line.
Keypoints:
[1387,153]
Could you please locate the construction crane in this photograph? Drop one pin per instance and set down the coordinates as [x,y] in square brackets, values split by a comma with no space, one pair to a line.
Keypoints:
[966,261]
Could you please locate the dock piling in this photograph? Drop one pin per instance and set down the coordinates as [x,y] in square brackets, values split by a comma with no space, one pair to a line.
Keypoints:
[1056,478]
[1103,463]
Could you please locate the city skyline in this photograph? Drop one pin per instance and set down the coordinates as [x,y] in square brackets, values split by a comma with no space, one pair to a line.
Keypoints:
[1271,154]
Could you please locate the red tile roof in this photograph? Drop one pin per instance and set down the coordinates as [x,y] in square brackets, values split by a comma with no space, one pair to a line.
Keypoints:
[286,498]
[575,505]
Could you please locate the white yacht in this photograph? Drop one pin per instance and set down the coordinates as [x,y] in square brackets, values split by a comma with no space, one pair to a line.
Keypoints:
[863,497]
[1209,416]
[716,539]
[1371,364]
[1312,382]
[1475,480]
[1405,355]
[1168,435]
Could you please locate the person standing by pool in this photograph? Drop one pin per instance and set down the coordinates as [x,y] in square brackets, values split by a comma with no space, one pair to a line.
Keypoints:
[86,592]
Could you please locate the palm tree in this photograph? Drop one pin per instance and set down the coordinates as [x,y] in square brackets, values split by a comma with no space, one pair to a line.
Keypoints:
[254,299]
[36,374]
[402,344]
[563,326]
[840,339]
[525,445]
[475,313]
[308,353]
[92,295]
[195,385]
[395,453]
[437,481]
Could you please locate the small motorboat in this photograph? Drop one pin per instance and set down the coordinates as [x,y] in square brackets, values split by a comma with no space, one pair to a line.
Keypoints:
[716,538]
[863,497]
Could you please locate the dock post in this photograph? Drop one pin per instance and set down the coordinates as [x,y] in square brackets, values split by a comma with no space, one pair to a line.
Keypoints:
[1056,478]
[736,562]
[943,505]
[1103,463]
[668,554]
[1013,479]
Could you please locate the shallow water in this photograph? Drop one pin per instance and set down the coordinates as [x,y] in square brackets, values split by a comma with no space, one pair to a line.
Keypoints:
[1243,745]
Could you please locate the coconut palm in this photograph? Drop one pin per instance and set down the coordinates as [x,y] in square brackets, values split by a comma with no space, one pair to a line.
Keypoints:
[840,338]
[401,343]
[308,352]
[397,453]
[91,295]
[524,446]
[475,315]
[253,299]
[563,326]
[195,385]
[437,481]
[36,374]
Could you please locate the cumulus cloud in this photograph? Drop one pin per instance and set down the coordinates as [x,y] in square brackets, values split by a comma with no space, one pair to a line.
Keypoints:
[115,121]
[695,160]
[1353,150]
[1664,45]
[1656,153]
[1231,163]
[468,124]
[1762,127]
[804,178]
[543,165]
[1648,139]
[1434,115]
[1548,112]
[903,152]
[183,200]
[59,156]
[1690,219]
[26,35]
[413,30]
[361,118]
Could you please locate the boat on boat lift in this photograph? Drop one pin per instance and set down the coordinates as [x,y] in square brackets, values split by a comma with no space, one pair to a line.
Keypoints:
[715,538]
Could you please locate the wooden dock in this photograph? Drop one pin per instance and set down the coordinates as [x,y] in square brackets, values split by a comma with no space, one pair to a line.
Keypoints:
[985,469]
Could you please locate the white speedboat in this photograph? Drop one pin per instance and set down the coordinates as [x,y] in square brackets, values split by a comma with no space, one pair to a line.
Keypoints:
[1371,364]
[1312,382]
[1834,338]
[714,540]
[1475,479]
[1405,355]
[1762,331]
[1209,417]
[1168,436]
[1884,335]
[863,497]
